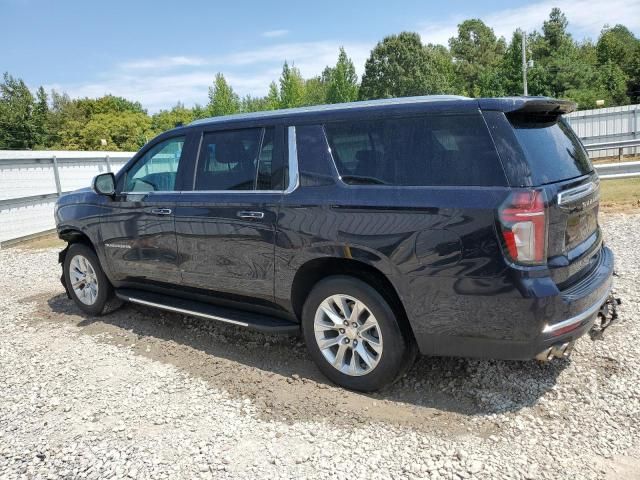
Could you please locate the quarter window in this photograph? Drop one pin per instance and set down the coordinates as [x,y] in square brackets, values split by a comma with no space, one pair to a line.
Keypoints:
[157,169]
[444,150]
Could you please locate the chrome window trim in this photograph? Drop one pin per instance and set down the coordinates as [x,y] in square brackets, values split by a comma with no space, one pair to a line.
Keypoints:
[576,193]
[294,176]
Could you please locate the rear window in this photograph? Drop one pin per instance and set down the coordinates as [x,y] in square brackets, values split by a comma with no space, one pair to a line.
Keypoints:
[552,149]
[443,150]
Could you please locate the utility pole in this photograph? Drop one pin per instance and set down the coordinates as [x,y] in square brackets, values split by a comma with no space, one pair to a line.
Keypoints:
[524,62]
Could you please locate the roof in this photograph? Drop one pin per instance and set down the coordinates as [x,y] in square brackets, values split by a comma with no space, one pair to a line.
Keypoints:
[449,102]
[335,107]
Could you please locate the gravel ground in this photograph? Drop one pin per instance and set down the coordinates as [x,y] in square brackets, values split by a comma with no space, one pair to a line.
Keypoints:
[145,394]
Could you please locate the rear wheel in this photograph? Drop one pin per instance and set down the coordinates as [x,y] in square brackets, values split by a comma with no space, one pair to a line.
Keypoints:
[353,335]
[86,282]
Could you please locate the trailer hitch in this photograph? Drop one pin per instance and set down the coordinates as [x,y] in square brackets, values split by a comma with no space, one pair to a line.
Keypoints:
[607,315]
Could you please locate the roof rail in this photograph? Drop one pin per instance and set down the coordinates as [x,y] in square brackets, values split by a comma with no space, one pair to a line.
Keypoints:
[329,108]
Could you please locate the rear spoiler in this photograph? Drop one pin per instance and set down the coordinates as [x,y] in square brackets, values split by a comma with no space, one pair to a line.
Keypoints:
[534,105]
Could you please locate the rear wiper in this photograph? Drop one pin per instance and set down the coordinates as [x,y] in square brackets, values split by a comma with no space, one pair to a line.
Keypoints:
[362,179]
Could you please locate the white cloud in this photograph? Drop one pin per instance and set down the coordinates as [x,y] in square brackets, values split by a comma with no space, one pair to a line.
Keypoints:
[275,33]
[161,82]
[163,63]
[586,18]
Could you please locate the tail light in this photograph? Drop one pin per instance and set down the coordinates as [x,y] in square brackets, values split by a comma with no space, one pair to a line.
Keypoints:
[523,220]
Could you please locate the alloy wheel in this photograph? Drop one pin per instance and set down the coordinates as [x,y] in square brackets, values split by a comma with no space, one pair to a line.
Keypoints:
[84,280]
[348,335]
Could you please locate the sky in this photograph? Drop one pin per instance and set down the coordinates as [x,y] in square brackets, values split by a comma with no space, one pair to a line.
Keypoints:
[161,52]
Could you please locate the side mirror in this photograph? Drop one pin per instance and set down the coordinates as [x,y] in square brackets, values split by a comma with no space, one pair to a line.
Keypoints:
[104,184]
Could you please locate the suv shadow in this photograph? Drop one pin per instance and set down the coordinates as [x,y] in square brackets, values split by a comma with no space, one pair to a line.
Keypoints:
[277,372]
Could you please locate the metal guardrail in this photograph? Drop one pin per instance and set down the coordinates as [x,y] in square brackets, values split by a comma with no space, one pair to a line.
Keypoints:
[608,171]
[620,145]
[33,158]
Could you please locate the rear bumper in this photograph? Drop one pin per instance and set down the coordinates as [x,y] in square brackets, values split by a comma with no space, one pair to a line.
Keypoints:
[543,322]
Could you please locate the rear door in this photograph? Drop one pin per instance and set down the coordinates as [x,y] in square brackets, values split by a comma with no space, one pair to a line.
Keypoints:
[226,223]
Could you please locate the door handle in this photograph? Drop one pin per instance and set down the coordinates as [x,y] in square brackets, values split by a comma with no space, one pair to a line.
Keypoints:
[161,211]
[251,215]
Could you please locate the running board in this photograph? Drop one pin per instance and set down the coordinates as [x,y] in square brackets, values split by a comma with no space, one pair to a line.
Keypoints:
[250,320]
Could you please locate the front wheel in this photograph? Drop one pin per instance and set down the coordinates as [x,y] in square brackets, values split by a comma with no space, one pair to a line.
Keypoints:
[86,282]
[353,335]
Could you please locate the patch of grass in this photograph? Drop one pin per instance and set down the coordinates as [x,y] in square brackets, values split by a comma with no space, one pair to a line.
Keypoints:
[620,194]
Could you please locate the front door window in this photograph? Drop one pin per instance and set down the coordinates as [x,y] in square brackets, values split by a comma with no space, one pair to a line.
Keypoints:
[157,170]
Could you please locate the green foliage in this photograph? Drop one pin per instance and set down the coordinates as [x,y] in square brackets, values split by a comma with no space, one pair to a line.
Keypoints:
[168,119]
[222,99]
[199,112]
[273,97]
[477,53]
[341,81]
[126,131]
[555,29]
[292,85]
[315,91]
[617,45]
[17,123]
[401,66]
[41,118]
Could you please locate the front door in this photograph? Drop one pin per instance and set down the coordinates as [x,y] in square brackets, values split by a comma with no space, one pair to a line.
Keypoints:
[139,231]
[226,225]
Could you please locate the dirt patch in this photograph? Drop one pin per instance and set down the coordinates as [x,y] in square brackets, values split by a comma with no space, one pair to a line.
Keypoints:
[50,240]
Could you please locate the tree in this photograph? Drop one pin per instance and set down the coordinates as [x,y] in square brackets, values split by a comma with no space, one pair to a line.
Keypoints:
[127,131]
[477,54]
[634,77]
[555,29]
[168,119]
[342,81]
[222,99]
[291,87]
[273,97]
[198,112]
[613,82]
[441,77]
[17,128]
[401,66]
[620,47]
[617,45]
[41,118]
[315,91]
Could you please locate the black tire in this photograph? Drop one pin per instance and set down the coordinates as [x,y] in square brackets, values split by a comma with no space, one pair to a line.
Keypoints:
[105,301]
[398,351]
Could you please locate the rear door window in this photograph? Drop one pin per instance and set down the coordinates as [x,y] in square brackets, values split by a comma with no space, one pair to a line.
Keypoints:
[438,150]
[552,149]
[236,160]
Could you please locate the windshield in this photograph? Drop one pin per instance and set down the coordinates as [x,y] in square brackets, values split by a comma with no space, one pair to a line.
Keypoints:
[552,149]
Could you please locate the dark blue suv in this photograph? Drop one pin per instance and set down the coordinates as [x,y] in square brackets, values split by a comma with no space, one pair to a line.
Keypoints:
[439,225]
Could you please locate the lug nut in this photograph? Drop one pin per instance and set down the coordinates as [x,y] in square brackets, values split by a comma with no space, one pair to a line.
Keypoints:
[346,340]
[346,323]
[355,343]
[341,330]
[354,325]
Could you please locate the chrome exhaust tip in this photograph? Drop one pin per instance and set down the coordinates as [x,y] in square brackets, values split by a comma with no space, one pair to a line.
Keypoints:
[560,350]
